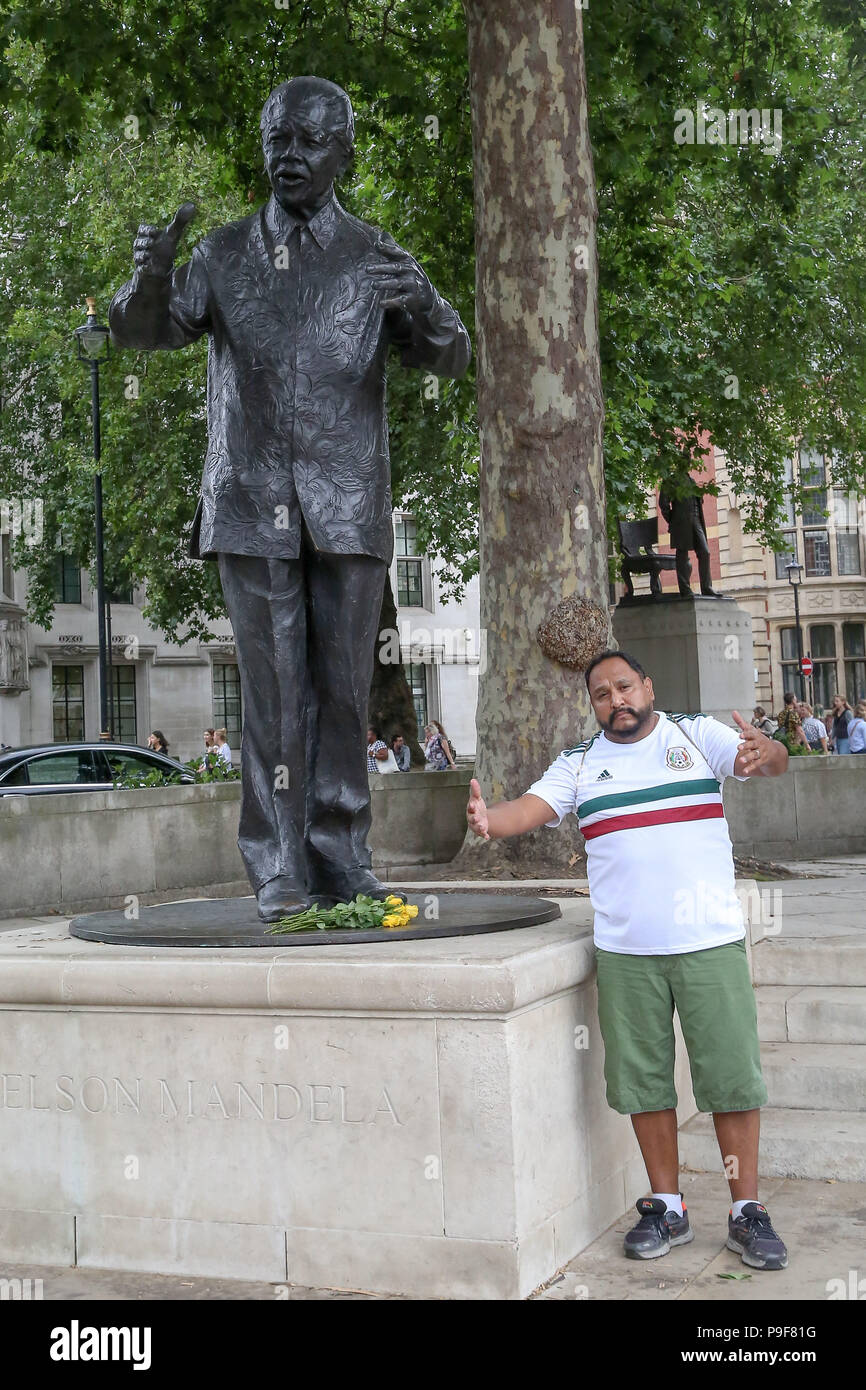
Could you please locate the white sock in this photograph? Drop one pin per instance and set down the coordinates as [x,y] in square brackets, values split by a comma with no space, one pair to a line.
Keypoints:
[737,1207]
[672,1200]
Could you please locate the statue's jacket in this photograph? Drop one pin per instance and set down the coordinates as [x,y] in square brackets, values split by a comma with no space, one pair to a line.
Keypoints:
[298,341]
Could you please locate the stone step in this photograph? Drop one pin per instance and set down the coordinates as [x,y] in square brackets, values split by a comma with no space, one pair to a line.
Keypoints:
[815,1076]
[825,1014]
[816,1144]
[810,960]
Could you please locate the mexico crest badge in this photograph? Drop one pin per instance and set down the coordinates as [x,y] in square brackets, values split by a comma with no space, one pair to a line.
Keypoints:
[679,759]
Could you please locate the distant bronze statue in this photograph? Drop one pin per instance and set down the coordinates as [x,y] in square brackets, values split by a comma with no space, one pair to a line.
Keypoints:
[302,303]
[682,508]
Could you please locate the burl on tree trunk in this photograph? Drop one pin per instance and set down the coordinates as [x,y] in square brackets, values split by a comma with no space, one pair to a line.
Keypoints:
[543,548]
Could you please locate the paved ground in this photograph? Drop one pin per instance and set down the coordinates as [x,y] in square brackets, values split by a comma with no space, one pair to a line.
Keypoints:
[823,1225]
[829,905]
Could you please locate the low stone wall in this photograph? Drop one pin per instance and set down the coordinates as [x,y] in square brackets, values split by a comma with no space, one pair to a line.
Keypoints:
[90,850]
[419,817]
[817,808]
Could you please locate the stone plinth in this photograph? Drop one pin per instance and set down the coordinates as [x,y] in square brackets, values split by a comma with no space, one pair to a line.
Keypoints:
[698,652]
[425,1117]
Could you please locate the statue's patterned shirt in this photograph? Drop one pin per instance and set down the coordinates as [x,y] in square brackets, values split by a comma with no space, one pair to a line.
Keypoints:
[296,377]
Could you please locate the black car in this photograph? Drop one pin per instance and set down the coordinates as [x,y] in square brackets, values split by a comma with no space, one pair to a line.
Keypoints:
[80,767]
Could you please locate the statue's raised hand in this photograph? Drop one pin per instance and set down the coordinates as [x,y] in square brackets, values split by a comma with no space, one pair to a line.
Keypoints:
[154,248]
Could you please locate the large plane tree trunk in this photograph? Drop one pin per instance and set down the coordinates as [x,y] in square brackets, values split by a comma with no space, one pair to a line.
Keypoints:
[543,549]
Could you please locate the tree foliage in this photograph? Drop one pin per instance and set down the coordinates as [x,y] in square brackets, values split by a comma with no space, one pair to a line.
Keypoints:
[732,279]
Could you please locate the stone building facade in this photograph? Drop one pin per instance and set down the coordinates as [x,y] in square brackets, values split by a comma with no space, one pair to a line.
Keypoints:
[49,685]
[827,540]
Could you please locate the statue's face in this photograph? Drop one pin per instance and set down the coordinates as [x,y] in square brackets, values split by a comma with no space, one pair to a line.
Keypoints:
[302,154]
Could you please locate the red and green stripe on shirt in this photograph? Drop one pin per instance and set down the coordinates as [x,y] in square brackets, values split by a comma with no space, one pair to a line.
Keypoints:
[700,798]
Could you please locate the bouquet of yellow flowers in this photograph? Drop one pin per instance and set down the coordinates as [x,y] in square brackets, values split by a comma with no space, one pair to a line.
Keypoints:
[362,914]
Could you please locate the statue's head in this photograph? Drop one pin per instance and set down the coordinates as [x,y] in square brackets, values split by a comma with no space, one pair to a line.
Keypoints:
[308,134]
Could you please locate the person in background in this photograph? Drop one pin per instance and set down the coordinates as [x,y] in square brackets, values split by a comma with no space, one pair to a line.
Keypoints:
[816,734]
[789,721]
[157,743]
[842,716]
[764,722]
[210,751]
[224,753]
[437,749]
[377,749]
[857,730]
[400,749]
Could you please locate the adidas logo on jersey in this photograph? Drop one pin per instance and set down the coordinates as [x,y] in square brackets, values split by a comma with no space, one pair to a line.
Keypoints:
[604,776]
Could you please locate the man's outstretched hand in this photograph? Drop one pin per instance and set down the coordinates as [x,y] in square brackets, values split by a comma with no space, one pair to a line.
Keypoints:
[476,811]
[756,751]
[154,248]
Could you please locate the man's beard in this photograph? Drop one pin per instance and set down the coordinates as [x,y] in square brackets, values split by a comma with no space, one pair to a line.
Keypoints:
[628,728]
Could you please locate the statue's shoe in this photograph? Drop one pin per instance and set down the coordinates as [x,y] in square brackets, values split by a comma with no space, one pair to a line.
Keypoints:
[281,897]
[344,885]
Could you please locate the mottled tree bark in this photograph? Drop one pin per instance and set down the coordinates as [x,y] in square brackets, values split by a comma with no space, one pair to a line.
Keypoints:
[392,709]
[544,587]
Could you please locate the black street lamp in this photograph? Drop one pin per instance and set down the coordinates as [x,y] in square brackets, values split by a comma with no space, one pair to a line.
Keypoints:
[94,348]
[795,579]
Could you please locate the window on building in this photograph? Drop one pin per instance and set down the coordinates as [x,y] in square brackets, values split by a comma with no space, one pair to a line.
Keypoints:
[67,579]
[416,676]
[847,534]
[124,708]
[815,507]
[410,589]
[816,553]
[6,581]
[848,552]
[787,555]
[791,678]
[405,536]
[812,471]
[6,567]
[822,649]
[67,703]
[410,578]
[854,653]
[227,708]
[119,595]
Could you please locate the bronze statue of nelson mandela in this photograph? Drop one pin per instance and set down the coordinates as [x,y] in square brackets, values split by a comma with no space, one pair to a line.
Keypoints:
[302,303]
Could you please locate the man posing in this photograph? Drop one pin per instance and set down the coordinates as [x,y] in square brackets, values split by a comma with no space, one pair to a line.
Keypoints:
[669,933]
[301,303]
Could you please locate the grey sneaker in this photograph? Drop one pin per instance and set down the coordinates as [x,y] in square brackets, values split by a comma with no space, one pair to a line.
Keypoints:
[752,1237]
[657,1230]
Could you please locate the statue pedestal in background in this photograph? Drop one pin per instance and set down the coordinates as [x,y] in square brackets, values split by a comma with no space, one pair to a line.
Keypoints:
[697,650]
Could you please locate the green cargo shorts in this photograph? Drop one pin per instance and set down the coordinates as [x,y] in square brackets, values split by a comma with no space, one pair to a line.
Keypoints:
[713,995]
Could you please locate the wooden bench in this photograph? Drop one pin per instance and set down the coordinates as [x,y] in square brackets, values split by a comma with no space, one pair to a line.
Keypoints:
[636,541]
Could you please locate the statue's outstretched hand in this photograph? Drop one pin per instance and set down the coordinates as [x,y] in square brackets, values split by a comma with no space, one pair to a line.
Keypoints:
[476,812]
[154,248]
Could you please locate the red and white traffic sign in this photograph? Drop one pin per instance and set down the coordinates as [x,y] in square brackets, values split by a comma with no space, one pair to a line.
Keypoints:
[806,666]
